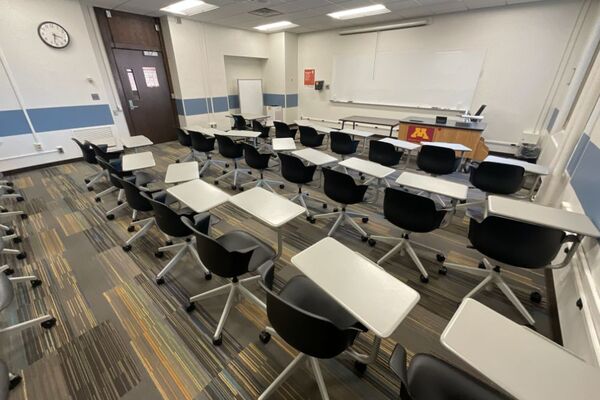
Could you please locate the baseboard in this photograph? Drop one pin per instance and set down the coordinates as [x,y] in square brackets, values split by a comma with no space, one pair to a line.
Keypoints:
[39,166]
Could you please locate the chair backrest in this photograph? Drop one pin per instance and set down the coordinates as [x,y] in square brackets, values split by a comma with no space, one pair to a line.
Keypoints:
[239,122]
[515,243]
[497,178]
[87,151]
[306,332]
[384,153]
[341,187]
[294,170]
[342,143]
[282,130]
[258,127]
[218,260]
[254,159]
[309,136]
[201,143]
[411,212]
[437,160]
[167,219]
[112,172]
[228,148]
[99,151]
[133,194]
[6,291]
[183,138]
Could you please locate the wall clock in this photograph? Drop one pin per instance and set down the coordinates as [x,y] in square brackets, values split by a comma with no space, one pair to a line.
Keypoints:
[54,35]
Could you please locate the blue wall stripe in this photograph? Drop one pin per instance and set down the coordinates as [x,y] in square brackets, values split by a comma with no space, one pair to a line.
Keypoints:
[220,104]
[70,117]
[234,101]
[195,106]
[585,182]
[291,100]
[210,105]
[13,122]
[272,99]
[179,106]
[577,153]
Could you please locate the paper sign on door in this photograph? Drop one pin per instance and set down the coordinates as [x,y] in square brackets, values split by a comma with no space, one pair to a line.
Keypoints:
[151,77]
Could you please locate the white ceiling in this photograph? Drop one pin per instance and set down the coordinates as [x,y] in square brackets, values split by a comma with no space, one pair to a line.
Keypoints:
[311,15]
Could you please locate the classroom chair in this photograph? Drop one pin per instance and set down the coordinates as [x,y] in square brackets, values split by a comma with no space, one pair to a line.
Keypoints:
[90,157]
[257,126]
[310,321]
[15,239]
[239,122]
[384,153]
[411,213]
[341,188]
[309,136]
[229,256]
[186,141]
[437,160]
[8,380]
[169,222]
[430,378]
[260,162]
[206,145]
[102,152]
[342,143]
[514,243]
[283,130]
[293,170]
[234,152]
[496,178]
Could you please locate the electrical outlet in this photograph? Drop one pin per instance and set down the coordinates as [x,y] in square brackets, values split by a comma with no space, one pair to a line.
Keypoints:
[37,146]
[213,125]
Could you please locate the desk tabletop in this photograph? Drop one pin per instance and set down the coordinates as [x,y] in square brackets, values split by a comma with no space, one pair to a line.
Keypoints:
[537,214]
[519,360]
[249,117]
[401,144]
[527,166]
[471,126]
[135,161]
[268,207]
[182,172]
[453,146]
[367,167]
[283,144]
[132,142]
[315,157]
[204,130]
[374,297]
[433,185]
[198,195]
[318,127]
[355,132]
[372,120]
[241,134]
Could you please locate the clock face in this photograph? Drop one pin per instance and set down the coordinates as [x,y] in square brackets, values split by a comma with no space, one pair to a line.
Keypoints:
[53,35]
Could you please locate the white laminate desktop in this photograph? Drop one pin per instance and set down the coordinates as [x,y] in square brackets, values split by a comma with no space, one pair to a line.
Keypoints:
[356,132]
[132,142]
[241,134]
[373,296]
[531,168]
[182,172]
[367,167]
[318,127]
[198,195]
[401,144]
[315,157]
[454,146]
[136,161]
[519,360]
[283,144]
[433,185]
[250,117]
[204,130]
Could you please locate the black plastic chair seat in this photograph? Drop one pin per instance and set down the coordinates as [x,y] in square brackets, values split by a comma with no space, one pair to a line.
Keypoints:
[294,170]
[437,160]
[309,136]
[283,130]
[258,127]
[6,291]
[201,143]
[86,151]
[384,153]
[183,138]
[254,159]
[4,381]
[411,212]
[341,187]
[228,148]
[342,143]
[169,221]
[237,240]
[497,178]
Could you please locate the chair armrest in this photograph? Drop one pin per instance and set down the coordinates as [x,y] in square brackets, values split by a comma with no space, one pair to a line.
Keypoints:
[267,274]
[570,253]
[398,363]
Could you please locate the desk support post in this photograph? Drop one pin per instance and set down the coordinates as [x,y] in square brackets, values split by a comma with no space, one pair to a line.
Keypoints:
[366,358]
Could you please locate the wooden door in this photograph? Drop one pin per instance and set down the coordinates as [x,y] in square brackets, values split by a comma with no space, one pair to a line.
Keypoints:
[136,53]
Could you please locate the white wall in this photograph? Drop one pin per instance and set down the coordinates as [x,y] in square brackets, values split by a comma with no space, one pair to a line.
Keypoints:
[524,43]
[242,68]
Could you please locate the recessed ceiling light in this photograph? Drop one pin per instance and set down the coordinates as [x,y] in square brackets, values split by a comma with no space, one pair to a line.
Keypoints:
[375,9]
[276,26]
[189,7]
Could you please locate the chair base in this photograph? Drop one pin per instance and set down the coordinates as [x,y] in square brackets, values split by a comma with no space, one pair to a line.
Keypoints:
[145,225]
[262,182]
[235,290]
[206,164]
[235,172]
[92,179]
[491,275]
[344,216]
[189,157]
[186,246]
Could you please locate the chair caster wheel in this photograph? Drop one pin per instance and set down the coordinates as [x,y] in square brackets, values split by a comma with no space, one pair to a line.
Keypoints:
[127,247]
[90,189]
[424,278]
[218,341]
[372,242]
[233,187]
[10,184]
[10,191]
[208,276]
[443,271]
[535,297]
[224,172]
[35,283]
[241,189]
[20,199]
[17,239]
[159,254]
[21,255]
[216,183]
[10,232]
[24,216]
[324,205]
[119,202]
[364,238]
[14,382]
[264,337]
[311,219]
[226,166]
[49,324]
[190,307]
[110,217]
[201,175]
[160,281]
[365,220]
[86,181]
[168,243]
[440,257]
[9,271]
[249,172]
[97,199]
[360,368]
[282,186]
[362,177]
[131,228]
[335,210]
[481,265]
[177,161]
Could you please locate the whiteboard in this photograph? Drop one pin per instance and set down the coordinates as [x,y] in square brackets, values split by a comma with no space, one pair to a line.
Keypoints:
[416,78]
[251,96]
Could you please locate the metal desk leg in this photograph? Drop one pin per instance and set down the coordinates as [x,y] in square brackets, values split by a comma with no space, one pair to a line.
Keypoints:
[391,131]
[279,245]
[366,358]
[377,190]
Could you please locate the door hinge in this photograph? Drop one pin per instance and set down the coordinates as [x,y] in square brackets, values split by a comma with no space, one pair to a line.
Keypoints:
[157,27]
[108,14]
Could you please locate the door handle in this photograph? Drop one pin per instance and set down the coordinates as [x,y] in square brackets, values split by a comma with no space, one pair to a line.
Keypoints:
[131,105]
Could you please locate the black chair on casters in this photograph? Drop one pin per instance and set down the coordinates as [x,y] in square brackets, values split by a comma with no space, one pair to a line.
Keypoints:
[233,151]
[429,378]
[342,189]
[437,160]
[411,213]
[90,157]
[229,256]
[310,321]
[283,130]
[203,144]
[342,143]
[513,243]
[112,158]
[496,178]
[169,222]
[186,141]
[239,122]
[264,134]
[293,170]
[8,380]
[260,162]
[309,136]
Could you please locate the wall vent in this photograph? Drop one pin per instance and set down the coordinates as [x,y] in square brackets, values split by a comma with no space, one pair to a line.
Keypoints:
[265,12]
